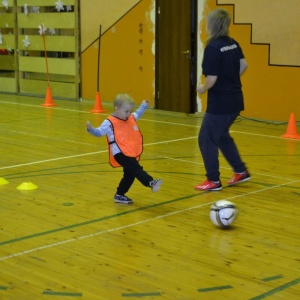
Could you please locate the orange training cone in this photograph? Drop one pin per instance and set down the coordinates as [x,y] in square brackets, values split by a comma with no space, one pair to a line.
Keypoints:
[291,131]
[98,105]
[48,101]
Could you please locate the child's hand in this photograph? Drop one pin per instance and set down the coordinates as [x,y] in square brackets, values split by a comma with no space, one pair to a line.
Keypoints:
[88,126]
[146,102]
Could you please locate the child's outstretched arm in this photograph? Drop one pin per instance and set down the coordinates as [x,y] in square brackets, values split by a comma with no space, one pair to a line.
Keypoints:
[102,130]
[139,112]
[94,131]
[89,126]
[146,102]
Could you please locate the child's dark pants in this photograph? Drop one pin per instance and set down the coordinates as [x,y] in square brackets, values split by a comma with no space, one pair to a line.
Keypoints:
[132,170]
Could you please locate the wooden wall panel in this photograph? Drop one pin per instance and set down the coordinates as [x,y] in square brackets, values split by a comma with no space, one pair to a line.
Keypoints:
[43,2]
[53,43]
[6,19]
[8,82]
[9,2]
[55,65]
[38,88]
[8,40]
[62,45]
[7,85]
[7,62]
[50,20]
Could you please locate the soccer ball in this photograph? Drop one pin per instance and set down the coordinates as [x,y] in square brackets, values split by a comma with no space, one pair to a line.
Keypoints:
[223,213]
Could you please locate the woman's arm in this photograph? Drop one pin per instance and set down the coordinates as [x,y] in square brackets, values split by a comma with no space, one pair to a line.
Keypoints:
[210,80]
[243,66]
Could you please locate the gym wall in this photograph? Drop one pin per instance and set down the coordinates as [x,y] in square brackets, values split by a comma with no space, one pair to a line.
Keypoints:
[127,57]
[126,50]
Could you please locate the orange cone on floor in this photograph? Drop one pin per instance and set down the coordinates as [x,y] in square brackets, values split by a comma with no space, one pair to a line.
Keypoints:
[48,101]
[98,105]
[291,131]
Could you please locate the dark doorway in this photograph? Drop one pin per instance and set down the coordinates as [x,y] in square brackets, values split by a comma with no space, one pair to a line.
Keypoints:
[176,55]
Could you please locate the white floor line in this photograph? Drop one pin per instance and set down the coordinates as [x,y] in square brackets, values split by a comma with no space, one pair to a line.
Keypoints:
[84,154]
[148,144]
[46,137]
[56,108]
[51,159]
[137,223]
[226,168]
[262,135]
[148,120]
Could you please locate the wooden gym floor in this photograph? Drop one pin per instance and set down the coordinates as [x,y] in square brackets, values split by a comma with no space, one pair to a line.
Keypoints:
[67,239]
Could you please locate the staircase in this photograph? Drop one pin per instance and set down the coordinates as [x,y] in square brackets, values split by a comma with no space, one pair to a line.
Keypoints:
[273,22]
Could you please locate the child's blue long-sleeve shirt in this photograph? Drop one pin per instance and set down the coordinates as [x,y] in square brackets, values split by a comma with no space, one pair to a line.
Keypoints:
[105,128]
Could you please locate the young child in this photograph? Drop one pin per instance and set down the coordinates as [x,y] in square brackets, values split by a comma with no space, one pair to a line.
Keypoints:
[125,145]
[223,64]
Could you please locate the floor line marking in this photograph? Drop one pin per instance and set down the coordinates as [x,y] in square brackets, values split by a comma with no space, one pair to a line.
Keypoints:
[85,154]
[154,121]
[52,159]
[104,151]
[56,108]
[52,293]
[257,134]
[272,278]
[46,137]
[139,295]
[276,290]
[227,168]
[133,224]
[216,288]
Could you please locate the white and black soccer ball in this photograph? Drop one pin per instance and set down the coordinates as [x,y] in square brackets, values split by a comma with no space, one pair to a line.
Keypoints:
[223,213]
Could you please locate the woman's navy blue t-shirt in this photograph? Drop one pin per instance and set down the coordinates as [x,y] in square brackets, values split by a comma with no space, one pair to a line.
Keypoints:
[222,58]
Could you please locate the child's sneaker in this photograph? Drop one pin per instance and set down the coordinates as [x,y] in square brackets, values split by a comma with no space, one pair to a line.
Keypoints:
[122,199]
[239,177]
[208,185]
[155,185]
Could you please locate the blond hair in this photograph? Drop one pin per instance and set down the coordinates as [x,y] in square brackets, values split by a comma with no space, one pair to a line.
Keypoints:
[120,99]
[218,22]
